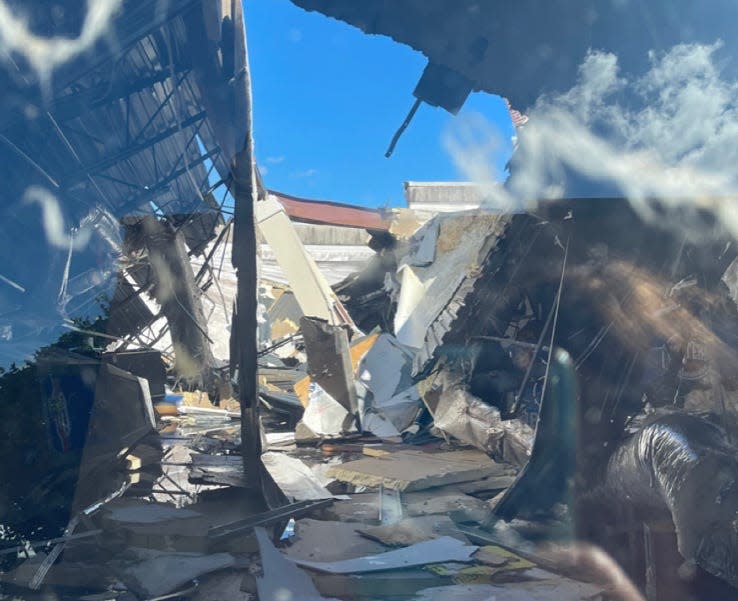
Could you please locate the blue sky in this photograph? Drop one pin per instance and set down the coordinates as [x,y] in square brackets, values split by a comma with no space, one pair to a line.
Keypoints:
[327,100]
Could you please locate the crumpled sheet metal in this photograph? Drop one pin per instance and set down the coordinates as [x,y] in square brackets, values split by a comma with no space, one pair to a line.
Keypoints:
[295,479]
[432,280]
[385,387]
[685,465]
[472,421]
[326,416]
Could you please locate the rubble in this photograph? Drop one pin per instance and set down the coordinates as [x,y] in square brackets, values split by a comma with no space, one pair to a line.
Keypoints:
[382,453]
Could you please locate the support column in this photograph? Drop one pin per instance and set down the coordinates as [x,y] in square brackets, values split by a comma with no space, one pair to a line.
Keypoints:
[244,328]
[244,339]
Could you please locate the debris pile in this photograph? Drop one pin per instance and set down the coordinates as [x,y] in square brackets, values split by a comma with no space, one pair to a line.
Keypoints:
[430,455]
[371,464]
[479,302]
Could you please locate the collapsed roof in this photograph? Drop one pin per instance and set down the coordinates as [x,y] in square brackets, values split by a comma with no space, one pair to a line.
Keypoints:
[521,49]
[143,117]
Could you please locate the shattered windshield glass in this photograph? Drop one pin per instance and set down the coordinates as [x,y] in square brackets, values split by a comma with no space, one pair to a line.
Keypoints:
[415,300]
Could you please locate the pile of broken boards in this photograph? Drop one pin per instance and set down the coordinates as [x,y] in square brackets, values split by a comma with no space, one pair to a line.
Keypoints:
[469,312]
[362,520]
[408,529]
[404,384]
[426,368]
[390,451]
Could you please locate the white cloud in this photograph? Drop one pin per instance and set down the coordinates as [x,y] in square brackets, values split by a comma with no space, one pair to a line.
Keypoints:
[671,134]
[275,160]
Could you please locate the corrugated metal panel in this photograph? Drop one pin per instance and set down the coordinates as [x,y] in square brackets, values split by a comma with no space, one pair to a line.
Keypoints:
[332,213]
[445,321]
[443,196]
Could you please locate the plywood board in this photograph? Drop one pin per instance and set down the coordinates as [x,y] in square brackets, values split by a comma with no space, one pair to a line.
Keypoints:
[415,470]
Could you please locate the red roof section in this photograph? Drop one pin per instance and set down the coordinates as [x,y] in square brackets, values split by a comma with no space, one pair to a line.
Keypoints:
[331,213]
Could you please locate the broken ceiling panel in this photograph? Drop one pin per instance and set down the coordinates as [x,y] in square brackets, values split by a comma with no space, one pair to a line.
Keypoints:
[432,292]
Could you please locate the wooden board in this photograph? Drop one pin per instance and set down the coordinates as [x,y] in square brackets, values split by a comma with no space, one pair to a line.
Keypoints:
[415,470]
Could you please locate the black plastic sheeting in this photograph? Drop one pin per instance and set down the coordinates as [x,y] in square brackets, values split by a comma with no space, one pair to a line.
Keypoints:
[685,465]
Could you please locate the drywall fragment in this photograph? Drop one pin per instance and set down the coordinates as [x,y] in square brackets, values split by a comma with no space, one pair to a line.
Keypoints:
[413,530]
[444,501]
[492,556]
[492,484]
[415,470]
[362,507]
